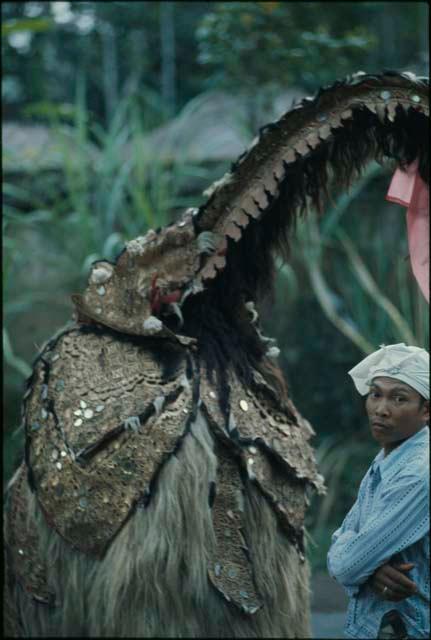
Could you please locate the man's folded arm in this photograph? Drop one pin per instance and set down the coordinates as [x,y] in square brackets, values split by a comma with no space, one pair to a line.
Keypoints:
[402,519]
[350,523]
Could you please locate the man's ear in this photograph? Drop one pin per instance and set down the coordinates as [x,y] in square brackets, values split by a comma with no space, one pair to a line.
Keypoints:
[426,411]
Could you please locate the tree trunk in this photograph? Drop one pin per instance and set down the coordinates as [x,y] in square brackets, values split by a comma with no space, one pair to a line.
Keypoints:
[424,38]
[168,71]
[388,36]
[110,69]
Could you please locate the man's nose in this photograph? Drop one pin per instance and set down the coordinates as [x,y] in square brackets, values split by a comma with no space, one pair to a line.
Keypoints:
[382,407]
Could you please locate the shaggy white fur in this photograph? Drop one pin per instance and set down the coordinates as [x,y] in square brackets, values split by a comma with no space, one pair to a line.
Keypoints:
[153,580]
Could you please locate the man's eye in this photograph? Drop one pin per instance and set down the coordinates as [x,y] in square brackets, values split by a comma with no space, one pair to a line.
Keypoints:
[400,399]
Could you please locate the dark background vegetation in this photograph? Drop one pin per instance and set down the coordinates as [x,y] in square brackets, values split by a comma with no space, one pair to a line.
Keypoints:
[108,116]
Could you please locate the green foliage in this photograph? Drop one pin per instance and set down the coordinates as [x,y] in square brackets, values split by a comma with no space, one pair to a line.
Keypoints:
[116,45]
[117,194]
[34,25]
[343,460]
[294,47]
[11,359]
[372,297]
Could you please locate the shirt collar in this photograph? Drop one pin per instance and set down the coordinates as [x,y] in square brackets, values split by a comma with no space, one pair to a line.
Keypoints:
[383,465]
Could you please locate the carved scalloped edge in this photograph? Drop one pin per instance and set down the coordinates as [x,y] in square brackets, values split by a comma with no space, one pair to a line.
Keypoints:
[250,205]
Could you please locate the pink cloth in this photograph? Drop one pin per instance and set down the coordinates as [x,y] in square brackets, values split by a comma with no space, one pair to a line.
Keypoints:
[408,189]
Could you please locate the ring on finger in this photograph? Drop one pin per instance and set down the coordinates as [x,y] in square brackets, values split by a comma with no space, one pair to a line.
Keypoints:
[385,589]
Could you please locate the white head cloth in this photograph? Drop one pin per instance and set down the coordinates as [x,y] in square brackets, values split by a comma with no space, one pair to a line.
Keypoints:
[398,361]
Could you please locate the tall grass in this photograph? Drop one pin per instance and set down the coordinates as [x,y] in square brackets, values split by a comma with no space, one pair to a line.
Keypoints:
[360,273]
[343,461]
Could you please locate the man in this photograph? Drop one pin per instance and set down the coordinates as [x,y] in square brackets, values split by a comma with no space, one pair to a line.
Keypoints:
[385,535]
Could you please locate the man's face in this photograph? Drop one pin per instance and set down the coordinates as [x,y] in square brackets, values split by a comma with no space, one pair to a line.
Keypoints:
[395,411]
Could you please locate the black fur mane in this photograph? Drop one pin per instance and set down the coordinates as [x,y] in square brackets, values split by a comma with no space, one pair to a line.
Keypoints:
[217,317]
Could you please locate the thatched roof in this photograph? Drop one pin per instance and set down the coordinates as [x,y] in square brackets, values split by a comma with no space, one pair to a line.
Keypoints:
[212,127]
[31,148]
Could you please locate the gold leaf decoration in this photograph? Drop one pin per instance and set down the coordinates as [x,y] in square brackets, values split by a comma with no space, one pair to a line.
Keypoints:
[271,184]
[219,262]
[301,147]
[290,156]
[233,231]
[313,140]
[209,270]
[347,113]
[336,121]
[381,112]
[392,106]
[279,171]
[241,218]
[324,131]
[248,204]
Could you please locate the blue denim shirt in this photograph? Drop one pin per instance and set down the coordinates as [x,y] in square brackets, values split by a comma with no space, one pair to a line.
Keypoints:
[389,521]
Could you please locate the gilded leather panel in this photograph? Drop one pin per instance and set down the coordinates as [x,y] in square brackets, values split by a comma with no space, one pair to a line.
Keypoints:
[271,444]
[256,417]
[100,420]
[286,494]
[230,568]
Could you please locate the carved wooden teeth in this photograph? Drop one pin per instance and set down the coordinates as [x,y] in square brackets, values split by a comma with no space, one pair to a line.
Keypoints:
[336,121]
[392,106]
[290,156]
[233,231]
[241,218]
[249,205]
[381,112]
[324,132]
[260,197]
[279,172]
[271,184]
[209,271]
[219,262]
[347,113]
[313,140]
[301,147]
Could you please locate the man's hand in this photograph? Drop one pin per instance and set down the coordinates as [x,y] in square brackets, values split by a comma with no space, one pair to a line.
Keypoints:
[390,583]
